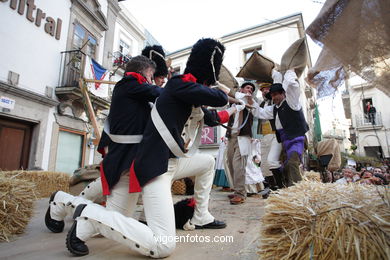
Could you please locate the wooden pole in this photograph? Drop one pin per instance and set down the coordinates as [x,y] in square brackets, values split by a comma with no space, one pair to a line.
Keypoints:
[91,112]
[99,81]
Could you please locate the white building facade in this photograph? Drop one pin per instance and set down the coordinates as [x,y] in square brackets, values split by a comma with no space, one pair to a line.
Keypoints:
[370,134]
[43,120]
[33,36]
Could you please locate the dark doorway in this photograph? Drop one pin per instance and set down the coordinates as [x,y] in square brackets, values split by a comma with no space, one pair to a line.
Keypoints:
[15,139]
[374,151]
[364,104]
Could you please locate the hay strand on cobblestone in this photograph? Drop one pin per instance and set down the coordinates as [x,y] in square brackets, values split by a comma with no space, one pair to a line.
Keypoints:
[16,197]
[46,182]
[314,220]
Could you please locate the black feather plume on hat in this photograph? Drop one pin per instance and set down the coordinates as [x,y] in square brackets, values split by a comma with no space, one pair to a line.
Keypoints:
[199,63]
[184,210]
[149,51]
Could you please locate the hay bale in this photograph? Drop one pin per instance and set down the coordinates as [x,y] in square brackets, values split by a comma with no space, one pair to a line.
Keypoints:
[313,220]
[46,182]
[16,197]
[312,176]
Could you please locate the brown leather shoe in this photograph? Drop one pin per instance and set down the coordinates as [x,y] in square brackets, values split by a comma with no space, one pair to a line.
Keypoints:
[231,196]
[237,200]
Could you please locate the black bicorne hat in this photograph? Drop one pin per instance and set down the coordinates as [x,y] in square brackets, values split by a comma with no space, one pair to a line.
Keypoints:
[157,54]
[276,87]
[205,61]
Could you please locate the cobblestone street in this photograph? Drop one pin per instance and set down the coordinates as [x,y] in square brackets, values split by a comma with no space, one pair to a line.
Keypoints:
[242,224]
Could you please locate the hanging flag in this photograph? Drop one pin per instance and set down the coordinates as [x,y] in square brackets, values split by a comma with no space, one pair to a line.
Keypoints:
[94,70]
[317,125]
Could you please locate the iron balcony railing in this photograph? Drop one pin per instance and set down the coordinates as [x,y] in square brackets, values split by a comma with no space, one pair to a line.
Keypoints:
[72,65]
[366,120]
[120,60]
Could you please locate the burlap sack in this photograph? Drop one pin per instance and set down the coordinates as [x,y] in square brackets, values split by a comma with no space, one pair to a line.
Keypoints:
[257,67]
[87,173]
[295,57]
[227,78]
[356,35]
[332,147]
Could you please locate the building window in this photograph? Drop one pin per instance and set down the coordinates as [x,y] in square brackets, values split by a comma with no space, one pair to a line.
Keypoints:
[70,151]
[249,51]
[91,46]
[365,103]
[124,48]
[83,40]
[122,57]
[176,71]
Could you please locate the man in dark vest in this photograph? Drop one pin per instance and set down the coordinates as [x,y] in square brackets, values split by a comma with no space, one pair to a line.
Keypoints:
[290,123]
[156,163]
[239,138]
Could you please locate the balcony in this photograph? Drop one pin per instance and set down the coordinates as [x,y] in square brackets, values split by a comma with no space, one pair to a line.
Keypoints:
[366,122]
[72,67]
[120,60]
[72,64]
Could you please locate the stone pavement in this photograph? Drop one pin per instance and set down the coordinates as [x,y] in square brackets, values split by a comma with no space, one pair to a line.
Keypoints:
[243,224]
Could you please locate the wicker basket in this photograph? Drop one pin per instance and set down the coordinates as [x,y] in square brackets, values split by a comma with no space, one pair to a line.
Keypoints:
[179,187]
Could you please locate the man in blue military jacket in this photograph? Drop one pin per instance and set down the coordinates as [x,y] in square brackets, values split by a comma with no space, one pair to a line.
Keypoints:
[156,164]
[129,113]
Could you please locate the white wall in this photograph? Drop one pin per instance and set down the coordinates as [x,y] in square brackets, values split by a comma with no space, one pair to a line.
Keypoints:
[35,55]
[47,139]
[381,101]
[103,7]
[128,29]
[28,50]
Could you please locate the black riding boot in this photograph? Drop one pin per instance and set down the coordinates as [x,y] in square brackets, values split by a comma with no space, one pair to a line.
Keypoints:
[278,175]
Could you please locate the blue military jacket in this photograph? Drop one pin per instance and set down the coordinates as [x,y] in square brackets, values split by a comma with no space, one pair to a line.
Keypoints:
[174,105]
[129,114]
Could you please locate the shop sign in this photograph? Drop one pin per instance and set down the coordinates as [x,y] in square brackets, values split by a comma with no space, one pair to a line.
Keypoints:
[7,102]
[51,26]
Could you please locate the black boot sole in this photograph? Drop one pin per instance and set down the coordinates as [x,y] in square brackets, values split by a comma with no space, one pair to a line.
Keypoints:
[54,226]
[69,245]
[74,251]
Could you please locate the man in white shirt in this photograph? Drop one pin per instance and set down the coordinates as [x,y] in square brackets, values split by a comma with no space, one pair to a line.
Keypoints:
[290,123]
[239,143]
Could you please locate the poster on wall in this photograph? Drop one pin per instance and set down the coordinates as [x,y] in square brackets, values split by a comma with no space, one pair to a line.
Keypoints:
[209,135]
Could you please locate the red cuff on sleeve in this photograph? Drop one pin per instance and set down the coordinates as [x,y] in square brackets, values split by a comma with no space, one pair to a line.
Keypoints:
[223,116]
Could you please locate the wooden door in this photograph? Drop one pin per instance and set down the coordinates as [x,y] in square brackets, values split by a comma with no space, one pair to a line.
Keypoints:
[15,138]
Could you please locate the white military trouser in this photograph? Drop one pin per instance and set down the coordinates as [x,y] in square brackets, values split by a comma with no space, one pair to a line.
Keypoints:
[157,239]
[64,204]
